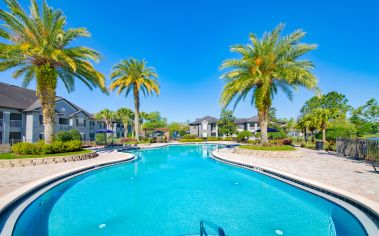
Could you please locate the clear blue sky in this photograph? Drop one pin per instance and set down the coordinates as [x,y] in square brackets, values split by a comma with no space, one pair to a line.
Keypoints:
[187,40]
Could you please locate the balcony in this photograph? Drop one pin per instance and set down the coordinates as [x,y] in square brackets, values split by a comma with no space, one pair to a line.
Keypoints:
[64,127]
[15,123]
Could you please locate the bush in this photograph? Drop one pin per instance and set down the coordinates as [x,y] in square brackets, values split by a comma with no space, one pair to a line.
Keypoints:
[213,139]
[101,139]
[338,130]
[280,142]
[268,148]
[125,140]
[228,139]
[277,135]
[191,140]
[65,136]
[42,148]
[244,135]
[189,136]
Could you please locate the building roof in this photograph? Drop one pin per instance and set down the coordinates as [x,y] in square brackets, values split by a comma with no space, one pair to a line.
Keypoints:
[246,120]
[15,97]
[210,119]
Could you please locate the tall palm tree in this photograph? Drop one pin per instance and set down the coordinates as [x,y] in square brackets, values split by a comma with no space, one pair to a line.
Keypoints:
[266,66]
[134,75]
[36,46]
[126,116]
[107,116]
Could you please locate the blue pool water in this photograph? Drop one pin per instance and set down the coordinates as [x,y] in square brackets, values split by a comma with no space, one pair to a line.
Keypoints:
[169,190]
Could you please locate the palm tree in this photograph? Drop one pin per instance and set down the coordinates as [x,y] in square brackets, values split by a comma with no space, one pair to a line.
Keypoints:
[322,116]
[134,75]
[107,116]
[126,116]
[266,66]
[305,123]
[36,46]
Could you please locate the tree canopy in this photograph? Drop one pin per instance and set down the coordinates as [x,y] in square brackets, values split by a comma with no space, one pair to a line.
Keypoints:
[226,124]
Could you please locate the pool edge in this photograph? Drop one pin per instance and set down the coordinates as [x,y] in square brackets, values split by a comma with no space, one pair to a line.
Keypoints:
[333,194]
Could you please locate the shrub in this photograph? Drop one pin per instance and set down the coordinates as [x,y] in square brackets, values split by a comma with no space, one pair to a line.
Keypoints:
[189,136]
[338,130]
[191,140]
[101,139]
[277,135]
[65,136]
[280,142]
[228,139]
[243,136]
[128,139]
[42,148]
[269,148]
[213,139]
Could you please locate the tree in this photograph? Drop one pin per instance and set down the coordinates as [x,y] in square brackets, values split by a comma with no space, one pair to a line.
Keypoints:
[107,116]
[36,46]
[126,116]
[366,117]
[134,75]
[226,124]
[178,128]
[331,100]
[305,123]
[266,66]
[322,117]
[154,121]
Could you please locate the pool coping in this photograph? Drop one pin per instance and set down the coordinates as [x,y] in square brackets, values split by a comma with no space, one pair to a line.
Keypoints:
[341,197]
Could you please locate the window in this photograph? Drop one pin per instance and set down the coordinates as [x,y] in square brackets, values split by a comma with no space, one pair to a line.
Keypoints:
[81,122]
[92,136]
[1,119]
[41,119]
[83,136]
[64,121]
[1,137]
[16,120]
[41,136]
[15,137]
[16,116]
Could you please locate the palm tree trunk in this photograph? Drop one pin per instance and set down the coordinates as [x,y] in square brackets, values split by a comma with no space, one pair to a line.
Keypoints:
[263,123]
[324,135]
[136,116]
[46,85]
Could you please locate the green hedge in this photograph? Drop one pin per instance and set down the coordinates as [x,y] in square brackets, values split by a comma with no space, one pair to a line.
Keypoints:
[269,148]
[244,135]
[191,140]
[42,148]
[213,139]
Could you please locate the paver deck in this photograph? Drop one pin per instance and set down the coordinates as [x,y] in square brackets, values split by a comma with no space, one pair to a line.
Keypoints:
[354,176]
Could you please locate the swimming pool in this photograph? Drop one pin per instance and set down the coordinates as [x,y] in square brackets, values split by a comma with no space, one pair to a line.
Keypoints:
[169,190]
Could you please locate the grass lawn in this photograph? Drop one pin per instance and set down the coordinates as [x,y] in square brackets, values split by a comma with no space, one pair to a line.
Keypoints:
[4,156]
[273,148]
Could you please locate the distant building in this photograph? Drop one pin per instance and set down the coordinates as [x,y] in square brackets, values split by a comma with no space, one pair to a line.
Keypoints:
[207,126]
[21,117]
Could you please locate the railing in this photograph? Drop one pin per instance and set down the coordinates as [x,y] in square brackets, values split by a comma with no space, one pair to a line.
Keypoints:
[364,149]
[16,123]
[203,232]
[64,127]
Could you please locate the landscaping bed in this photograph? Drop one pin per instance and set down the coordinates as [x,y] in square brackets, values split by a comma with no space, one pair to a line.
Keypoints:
[269,148]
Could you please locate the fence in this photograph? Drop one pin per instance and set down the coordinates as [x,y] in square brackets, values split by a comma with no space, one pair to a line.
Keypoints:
[358,148]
